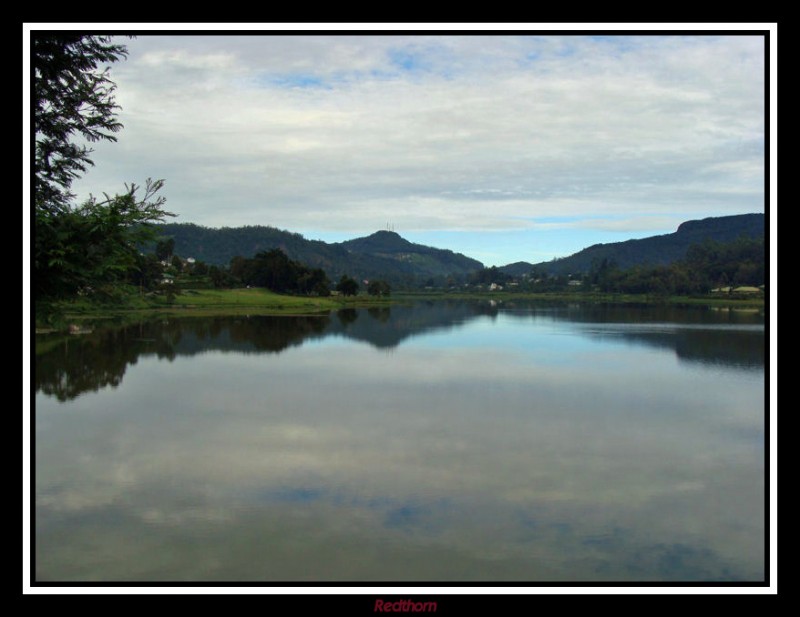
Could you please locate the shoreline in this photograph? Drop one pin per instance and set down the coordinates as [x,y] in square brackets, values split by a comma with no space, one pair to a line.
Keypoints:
[260,302]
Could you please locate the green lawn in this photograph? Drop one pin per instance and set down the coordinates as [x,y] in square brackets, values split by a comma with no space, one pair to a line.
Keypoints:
[245,298]
[206,303]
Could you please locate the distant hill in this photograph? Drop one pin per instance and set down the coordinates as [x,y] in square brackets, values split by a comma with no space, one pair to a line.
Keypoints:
[417,258]
[518,268]
[387,255]
[655,250]
[383,254]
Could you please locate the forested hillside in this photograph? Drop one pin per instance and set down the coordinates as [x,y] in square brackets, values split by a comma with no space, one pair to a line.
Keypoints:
[381,255]
[656,250]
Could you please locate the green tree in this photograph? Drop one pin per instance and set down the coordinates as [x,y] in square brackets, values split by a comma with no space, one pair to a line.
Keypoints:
[347,286]
[165,248]
[238,268]
[379,288]
[220,278]
[92,246]
[72,96]
[274,270]
[148,272]
[200,268]
[312,281]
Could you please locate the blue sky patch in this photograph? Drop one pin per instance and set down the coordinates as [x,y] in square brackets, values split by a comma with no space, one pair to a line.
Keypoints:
[407,60]
[293,80]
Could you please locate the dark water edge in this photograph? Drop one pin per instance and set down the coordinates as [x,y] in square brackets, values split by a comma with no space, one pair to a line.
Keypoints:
[74,364]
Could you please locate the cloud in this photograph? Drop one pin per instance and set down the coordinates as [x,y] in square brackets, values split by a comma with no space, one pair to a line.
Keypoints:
[622,225]
[441,132]
[181,59]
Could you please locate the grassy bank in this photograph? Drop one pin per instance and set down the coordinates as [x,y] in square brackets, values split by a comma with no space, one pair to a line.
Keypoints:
[220,302]
[202,303]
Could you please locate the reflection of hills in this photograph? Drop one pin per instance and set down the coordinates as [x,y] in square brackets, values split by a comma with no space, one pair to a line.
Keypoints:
[96,360]
[725,338]
[725,347]
[632,313]
[381,327]
[388,327]
[732,339]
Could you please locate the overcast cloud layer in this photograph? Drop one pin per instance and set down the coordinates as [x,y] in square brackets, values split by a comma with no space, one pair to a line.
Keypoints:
[502,147]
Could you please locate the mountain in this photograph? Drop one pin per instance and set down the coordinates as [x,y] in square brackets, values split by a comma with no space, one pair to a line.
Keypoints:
[517,269]
[655,250]
[410,257]
[387,255]
[383,254]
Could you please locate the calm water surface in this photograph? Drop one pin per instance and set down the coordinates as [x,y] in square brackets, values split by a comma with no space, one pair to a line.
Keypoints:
[439,442]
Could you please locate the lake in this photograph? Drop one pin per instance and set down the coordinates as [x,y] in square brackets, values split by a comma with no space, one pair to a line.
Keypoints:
[437,442]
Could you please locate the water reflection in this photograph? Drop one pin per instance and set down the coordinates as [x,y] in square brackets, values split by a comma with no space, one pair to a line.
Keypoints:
[89,362]
[708,336]
[491,445]
[740,348]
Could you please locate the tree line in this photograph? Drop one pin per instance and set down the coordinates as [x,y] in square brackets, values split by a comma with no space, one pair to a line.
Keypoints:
[274,270]
[707,266]
[164,271]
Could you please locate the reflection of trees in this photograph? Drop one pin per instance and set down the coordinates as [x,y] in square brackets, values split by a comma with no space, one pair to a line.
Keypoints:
[696,334]
[734,348]
[382,314]
[97,360]
[93,361]
[631,313]
[347,316]
[89,362]
[274,334]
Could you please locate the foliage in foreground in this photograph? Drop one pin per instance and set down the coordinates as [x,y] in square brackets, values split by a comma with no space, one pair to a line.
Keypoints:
[91,248]
[88,249]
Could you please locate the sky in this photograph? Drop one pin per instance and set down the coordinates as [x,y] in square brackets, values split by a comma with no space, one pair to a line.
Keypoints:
[503,146]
